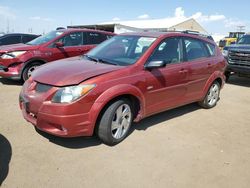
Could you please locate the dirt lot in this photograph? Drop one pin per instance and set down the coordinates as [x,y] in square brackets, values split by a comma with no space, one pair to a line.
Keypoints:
[185,147]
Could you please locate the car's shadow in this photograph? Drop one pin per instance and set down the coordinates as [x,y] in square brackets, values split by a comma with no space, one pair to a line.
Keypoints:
[84,142]
[240,81]
[5,157]
[6,81]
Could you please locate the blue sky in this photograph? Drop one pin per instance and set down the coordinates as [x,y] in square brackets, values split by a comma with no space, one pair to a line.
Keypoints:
[217,17]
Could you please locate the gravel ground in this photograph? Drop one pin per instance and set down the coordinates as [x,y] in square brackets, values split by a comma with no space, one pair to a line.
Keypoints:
[184,147]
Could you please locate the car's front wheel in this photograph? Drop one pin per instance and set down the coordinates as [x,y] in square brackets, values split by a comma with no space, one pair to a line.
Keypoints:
[115,122]
[29,69]
[212,96]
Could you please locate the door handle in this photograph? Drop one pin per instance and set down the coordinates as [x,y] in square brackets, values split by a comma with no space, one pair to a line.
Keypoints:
[209,65]
[183,71]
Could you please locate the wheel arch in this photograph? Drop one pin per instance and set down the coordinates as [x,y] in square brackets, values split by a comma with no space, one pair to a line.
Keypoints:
[216,76]
[40,60]
[115,93]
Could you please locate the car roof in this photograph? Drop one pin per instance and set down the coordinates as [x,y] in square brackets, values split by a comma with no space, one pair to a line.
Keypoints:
[10,34]
[170,33]
[84,29]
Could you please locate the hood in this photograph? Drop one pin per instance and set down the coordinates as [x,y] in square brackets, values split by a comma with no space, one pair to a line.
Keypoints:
[17,47]
[237,47]
[70,71]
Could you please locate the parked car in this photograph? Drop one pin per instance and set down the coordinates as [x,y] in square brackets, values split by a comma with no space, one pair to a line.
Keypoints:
[238,57]
[125,79]
[20,60]
[15,38]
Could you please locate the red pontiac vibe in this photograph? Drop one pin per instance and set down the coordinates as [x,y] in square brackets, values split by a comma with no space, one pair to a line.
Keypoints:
[19,60]
[126,78]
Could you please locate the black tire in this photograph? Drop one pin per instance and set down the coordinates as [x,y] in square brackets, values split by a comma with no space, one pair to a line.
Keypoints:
[27,69]
[207,101]
[104,128]
[227,74]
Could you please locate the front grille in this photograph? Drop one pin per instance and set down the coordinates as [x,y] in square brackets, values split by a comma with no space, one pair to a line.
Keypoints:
[41,88]
[241,58]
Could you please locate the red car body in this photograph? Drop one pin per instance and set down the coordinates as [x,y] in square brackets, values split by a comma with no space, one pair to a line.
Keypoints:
[43,53]
[151,91]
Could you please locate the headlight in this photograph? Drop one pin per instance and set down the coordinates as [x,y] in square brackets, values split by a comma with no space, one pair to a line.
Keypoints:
[12,55]
[71,93]
[225,53]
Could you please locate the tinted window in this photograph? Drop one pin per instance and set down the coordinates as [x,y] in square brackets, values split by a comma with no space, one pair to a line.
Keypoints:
[72,39]
[244,40]
[95,38]
[195,49]
[211,49]
[10,40]
[27,38]
[169,51]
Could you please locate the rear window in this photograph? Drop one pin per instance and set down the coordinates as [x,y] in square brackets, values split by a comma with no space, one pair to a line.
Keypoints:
[95,38]
[27,38]
[211,49]
[195,49]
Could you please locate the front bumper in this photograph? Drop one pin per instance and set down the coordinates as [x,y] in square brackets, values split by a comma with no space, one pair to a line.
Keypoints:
[59,125]
[10,68]
[245,70]
[64,120]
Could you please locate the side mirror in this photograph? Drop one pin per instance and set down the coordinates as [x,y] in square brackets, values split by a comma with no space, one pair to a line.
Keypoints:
[155,64]
[59,44]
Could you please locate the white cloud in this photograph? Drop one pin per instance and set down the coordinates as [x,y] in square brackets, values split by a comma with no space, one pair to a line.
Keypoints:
[7,13]
[144,16]
[208,18]
[179,12]
[116,19]
[41,19]
[234,23]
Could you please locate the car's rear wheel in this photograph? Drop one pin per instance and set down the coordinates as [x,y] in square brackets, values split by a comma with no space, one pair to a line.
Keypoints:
[29,69]
[212,96]
[115,122]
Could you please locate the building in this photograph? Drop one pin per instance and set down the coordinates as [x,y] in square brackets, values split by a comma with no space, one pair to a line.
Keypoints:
[147,25]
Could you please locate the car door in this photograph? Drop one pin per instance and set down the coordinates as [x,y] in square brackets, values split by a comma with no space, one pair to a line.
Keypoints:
[196,54]
[72,46]
[166,87]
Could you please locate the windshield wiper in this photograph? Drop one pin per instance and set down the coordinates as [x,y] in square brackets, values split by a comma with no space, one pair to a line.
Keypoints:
[99,60]
[106,62]
[91,58]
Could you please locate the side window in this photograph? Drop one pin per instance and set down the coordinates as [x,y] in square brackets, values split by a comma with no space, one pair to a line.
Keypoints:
[27,38]
[211,49]
[109,36]
[11,40]
[94,38]
[169,51]
[195,49]
[72,39]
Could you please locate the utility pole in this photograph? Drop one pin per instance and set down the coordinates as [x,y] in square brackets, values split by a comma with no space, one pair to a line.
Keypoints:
[241,28]
[8,26]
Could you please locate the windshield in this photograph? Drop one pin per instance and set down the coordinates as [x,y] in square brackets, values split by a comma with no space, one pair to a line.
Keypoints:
[244,40]
[121,50]
[45,38]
